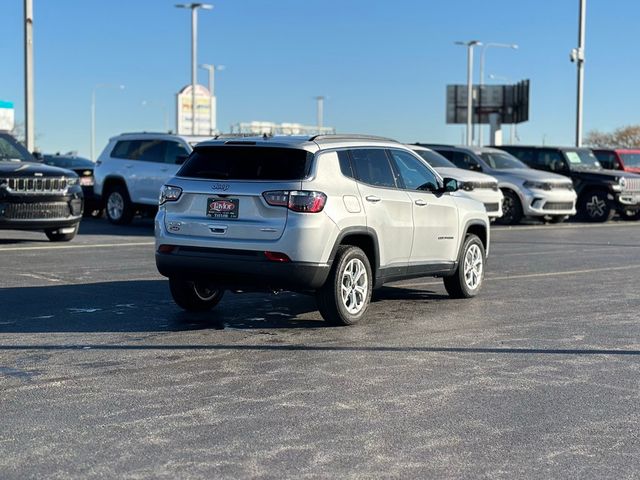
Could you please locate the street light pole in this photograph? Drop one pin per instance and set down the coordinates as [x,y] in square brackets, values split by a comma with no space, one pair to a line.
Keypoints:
[194,54]
[470,44]
[320,112]
[513,46]
[577,55]
[93,114]
[29,109]
[213,123]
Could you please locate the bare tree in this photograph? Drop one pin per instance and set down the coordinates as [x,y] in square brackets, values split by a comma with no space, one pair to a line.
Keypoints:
[625,137]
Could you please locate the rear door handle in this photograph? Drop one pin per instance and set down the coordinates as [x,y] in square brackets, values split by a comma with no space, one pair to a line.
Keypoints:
[128,165]
[372,198]
[164,169]
[420,202]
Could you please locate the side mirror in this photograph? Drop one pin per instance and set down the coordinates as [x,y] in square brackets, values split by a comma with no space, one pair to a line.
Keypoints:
[180,159]
[450,185]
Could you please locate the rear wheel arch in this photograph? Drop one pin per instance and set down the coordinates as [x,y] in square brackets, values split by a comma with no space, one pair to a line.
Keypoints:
[363,238]
[110,182]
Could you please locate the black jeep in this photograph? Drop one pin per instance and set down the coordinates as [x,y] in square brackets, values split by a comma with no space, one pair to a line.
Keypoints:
[34,196]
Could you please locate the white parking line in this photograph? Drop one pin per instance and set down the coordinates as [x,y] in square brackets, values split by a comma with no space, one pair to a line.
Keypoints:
[74,247]
[535,275]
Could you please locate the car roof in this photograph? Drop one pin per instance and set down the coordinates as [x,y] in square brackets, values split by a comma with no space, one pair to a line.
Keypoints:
[551,147]
[163,135]
[313,143]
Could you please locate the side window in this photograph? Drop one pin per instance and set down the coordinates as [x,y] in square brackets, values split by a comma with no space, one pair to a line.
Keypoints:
[551,160]
[174,151]
[345,164]
[524,155]
[151,151]
[125,148]
[464,160]
[372,166]
[414,174]
[448,154]
[607,160]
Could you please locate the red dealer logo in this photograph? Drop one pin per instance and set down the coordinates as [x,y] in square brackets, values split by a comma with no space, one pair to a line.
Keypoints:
[221,206]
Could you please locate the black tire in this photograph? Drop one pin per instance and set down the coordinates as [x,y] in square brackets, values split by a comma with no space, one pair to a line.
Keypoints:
[511,208]
[195,296]
[54,235]
[333,308]
[594,206]
[457,285]
[118,205]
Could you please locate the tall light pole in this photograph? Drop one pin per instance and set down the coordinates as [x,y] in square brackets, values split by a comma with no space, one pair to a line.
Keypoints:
[577,56]
[29,109]
[212,108]
[320,112]
[93,114]
[194,54]
[513,46]
[163,107]
[470,44]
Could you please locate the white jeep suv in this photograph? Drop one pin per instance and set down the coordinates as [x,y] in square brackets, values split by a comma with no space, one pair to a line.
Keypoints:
[133,167]
[335,216]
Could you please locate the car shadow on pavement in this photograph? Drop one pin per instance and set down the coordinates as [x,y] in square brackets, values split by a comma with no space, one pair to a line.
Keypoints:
[146,306]
[140,227]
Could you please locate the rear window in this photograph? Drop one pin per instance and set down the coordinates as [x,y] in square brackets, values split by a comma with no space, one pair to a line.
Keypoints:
[247,163]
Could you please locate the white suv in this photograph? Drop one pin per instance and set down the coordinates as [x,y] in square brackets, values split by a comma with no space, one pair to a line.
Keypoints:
[133,167]
[331,215]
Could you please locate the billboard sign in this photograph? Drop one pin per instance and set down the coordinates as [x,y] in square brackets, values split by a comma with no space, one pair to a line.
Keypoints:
[7,116]
[185,112]
[511,102]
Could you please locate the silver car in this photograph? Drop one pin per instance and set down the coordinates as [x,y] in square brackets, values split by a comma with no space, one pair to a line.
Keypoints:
[479,186]
[329,215]
[527,192]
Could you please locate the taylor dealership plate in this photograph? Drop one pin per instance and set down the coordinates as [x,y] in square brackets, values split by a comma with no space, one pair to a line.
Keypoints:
[223,207]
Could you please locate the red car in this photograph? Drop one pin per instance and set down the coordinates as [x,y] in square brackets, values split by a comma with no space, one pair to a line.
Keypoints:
[619,159]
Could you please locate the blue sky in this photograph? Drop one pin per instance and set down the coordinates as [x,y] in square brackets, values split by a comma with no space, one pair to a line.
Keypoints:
[383,65]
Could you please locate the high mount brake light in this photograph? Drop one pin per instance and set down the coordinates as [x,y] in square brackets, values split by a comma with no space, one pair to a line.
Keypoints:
[302,201]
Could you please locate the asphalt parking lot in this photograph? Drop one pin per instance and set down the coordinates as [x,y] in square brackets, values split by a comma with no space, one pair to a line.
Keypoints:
[101,375]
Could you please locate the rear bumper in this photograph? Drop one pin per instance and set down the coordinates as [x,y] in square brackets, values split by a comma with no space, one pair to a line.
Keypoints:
[240,269]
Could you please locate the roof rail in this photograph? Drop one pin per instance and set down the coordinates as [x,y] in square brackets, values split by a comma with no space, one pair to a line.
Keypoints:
[350,137]
[222,136]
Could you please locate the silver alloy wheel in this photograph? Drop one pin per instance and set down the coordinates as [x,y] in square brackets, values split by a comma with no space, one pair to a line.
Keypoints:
[115,205]
[205,291]
[473,265]
[354,286]
[596,207]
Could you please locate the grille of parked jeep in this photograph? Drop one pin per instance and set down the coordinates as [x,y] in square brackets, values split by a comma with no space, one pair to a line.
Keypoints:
[632,185]
[558,206]
[36,185]
[492,207]
[34,211]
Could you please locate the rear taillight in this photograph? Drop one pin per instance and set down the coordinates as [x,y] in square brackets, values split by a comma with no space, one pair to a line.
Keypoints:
[303,201]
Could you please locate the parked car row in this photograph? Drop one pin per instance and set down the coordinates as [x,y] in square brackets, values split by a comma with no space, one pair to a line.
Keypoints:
[513,181]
